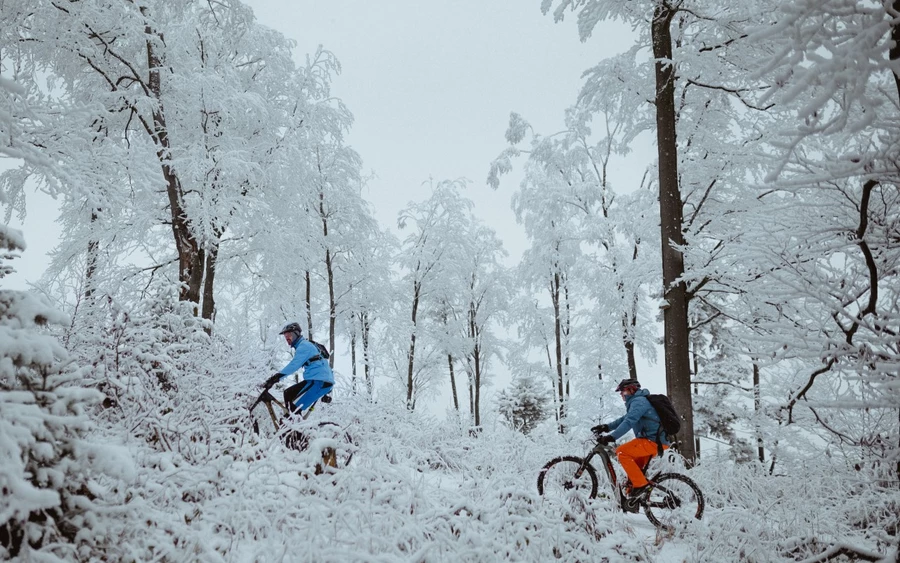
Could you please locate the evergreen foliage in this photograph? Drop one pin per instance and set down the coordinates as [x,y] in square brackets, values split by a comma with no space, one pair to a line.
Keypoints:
[55,477]
[524,405]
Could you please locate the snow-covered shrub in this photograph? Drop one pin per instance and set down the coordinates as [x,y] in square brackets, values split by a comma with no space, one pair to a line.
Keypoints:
[524,405]
[153,361]
[55,484]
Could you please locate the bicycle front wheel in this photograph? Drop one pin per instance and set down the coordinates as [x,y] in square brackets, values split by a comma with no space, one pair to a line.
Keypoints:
[335,444]
[338,445]
[674,501]
[567,477]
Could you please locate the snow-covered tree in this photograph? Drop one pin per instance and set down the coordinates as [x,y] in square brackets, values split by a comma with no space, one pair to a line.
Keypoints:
[52,476]
[524,405]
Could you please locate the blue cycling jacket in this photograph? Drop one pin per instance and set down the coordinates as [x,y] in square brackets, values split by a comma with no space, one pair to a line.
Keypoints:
[319,370]
[641,417]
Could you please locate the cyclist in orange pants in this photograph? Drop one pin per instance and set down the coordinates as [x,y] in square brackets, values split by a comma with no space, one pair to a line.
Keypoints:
[640,417]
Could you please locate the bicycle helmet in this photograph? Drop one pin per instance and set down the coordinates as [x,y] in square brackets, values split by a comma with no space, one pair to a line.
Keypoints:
[628,385]
[294,330]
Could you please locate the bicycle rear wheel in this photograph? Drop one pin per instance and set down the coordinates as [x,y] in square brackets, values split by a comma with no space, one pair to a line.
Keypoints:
[559,479]
[674,501]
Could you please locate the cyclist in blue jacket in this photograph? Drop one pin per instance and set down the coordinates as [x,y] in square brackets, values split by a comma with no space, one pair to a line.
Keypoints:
[318,379]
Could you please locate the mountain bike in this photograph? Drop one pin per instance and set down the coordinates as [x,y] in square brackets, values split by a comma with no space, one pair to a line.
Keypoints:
[672,501]
[336,444]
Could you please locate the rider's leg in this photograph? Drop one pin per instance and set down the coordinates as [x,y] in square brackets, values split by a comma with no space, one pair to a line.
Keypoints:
[312,391]
[633,455]
[294,391]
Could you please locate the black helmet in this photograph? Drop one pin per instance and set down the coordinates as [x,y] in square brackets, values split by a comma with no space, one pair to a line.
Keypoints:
[632,384]
[292,328]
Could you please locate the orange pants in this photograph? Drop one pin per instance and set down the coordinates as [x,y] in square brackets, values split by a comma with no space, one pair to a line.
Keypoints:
[634,457]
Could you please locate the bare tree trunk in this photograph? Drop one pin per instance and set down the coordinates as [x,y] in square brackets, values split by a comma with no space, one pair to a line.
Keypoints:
[367,369]
[453,382]
[190,255]
[471,393]
[329,272]
[629,348]
[477,400]
[629,325]
[557,331]
[309,323]
[757,406]
[353,360]
[894,53]
[476,363]
[93,250]
[675,316]
[209,302]
[411,355]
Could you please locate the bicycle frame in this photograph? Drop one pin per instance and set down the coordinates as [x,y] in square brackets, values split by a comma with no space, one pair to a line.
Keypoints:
[267,398]
[604,452]
[329,455]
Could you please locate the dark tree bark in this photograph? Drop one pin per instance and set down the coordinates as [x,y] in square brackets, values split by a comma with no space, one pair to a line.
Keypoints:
[190,256]
[894,53]
[476,364]
[555,295]
[329,273]
[209,302]
[365,327]
[757,406]
[453,382]
[353,361]
[309,323]
[411,355]
[93,250]
[675,316]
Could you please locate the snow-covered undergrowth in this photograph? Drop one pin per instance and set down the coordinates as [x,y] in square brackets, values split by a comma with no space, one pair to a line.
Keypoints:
[185,478]
[419,489]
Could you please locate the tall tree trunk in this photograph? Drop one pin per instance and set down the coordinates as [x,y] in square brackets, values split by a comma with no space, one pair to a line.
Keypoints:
[190,255]
[90,270]
[675,316]
[353,361]
[411,355]
[209,303]
[309,323]
[477,400]
[629,322]
[757,406]
[453,382]
[629,352]
[476,363]
[329,272]
[470,380]
[894,53]
[557,332]
[367,369]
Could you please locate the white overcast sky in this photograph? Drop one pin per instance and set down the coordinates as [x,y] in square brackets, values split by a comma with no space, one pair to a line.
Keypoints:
[431,85]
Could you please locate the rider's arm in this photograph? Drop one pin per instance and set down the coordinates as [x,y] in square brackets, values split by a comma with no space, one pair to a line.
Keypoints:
[302,353]
[615,422]
[637,407]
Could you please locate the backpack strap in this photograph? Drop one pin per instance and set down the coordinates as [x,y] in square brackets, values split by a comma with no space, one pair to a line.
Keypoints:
[311,360]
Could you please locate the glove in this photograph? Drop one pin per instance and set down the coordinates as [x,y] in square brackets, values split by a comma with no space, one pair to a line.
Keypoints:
[605,439]
[600,429]
[273,380]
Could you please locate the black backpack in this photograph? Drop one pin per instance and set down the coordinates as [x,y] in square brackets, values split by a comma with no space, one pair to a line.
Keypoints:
[323,351]
[668,418]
